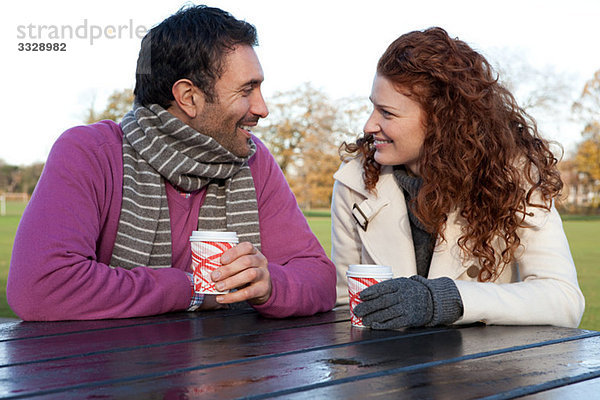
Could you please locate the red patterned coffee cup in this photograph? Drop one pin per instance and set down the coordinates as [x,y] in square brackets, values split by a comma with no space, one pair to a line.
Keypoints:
[361,276]
[207,249]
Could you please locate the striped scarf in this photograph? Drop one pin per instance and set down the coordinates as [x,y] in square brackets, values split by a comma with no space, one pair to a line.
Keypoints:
[159,146]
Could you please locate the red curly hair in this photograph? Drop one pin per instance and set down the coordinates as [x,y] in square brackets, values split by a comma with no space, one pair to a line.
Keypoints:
[482,154]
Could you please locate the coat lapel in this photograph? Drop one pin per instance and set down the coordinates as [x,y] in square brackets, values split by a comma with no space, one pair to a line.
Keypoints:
[447,257]
[387,238]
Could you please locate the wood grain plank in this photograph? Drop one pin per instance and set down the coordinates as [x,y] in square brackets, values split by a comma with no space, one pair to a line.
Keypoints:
[166,360]
[588,389]
[24,329]
[359,356]
[500,376]
[127,337]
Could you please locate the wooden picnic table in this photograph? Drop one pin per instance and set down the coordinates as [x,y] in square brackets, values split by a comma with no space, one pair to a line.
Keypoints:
[237,353]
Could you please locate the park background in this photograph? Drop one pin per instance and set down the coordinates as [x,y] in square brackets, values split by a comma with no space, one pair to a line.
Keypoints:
[319,58]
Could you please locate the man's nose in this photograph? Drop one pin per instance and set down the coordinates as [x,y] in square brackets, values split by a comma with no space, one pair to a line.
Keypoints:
[259,107]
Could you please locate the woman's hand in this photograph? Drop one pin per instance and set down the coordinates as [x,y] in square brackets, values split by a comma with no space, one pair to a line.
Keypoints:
[395,303]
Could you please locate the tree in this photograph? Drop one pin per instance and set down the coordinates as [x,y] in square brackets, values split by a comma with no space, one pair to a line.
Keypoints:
[119,103]
[303,131]
[14,179]
[8,174]
[544,93]
[587,107]
[29,176]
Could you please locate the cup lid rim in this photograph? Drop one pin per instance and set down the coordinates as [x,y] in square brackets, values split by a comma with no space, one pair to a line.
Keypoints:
[369,270]
[219,236]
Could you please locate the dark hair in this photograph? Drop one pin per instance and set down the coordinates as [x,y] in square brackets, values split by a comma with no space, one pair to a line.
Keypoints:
[192,44]
[482,154]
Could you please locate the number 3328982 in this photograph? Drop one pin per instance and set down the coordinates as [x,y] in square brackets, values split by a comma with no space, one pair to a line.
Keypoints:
[42,46]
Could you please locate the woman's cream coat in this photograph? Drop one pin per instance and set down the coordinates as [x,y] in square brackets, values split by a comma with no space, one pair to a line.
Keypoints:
[540,288]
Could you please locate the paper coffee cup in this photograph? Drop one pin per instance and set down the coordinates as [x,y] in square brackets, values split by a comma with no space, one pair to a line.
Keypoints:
[361,276]
[207,249]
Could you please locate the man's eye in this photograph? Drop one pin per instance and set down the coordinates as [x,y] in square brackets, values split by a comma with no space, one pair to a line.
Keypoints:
[247,92]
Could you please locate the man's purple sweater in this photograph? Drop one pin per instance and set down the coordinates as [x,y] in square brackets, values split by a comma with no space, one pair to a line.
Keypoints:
[59,266]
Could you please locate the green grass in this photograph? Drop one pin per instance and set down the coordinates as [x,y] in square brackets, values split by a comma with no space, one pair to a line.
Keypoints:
[325,213]
[580,217]
[321,227]
[584,239]
[8,228]
[583,233]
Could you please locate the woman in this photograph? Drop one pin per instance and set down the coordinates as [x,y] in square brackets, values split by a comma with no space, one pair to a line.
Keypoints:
[452,186]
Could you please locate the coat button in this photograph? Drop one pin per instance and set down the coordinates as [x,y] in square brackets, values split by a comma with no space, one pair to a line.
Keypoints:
[473,271]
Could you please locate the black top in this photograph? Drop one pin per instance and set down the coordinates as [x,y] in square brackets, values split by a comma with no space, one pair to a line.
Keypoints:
[423,241]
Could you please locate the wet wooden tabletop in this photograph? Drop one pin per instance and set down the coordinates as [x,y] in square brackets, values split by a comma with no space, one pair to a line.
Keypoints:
[239,354]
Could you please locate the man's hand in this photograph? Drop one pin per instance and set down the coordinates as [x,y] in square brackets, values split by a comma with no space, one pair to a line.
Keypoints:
[243,268]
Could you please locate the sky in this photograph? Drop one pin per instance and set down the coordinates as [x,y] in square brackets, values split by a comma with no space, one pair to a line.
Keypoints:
[333,44]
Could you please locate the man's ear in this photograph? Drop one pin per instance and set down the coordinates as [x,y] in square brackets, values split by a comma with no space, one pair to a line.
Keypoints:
[187,97]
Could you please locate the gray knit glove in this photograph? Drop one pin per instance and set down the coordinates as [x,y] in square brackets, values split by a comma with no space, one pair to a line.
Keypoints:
[410,302]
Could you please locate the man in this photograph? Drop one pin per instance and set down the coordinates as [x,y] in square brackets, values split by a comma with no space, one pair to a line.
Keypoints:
[106,233]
